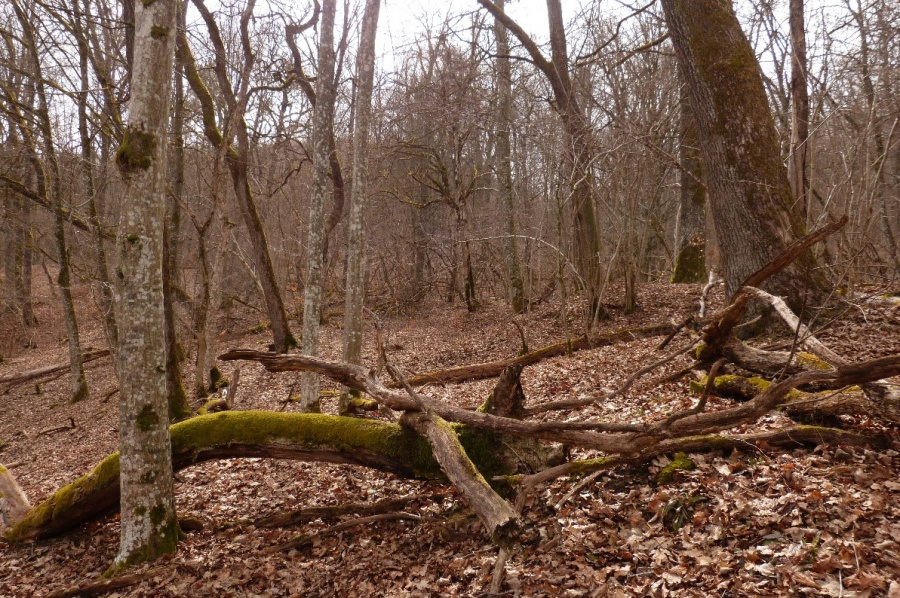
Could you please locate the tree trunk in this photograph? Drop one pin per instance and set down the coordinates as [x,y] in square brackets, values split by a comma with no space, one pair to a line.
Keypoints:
[356,250]
[149,527]
[799,149]
[690,224]
[749,193]
[515,283]
[322,119]
[49,181]
[103,284]
[579,144]
[179,408]
[237,159]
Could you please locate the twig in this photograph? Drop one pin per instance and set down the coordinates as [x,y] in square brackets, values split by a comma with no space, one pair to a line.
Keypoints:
[577,489]
[499,571]
[107,585]
[672,335]
[57,429]
[701,404]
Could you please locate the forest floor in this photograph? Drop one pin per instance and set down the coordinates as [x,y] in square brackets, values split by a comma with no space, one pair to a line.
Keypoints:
[819,521]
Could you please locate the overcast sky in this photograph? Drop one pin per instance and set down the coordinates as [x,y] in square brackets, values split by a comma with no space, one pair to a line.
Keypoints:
[401,20]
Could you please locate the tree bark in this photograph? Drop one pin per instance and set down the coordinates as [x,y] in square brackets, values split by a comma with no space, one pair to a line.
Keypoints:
[179,408]
[799,149]
[690,224]
[749,193]
[356,249]
[515,283]
[149,527]
[322,121]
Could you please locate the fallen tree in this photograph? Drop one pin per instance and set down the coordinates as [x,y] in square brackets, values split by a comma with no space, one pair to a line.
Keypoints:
[496,448]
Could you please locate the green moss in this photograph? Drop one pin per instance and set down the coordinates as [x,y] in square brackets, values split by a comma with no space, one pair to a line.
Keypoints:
[588,466]
[382,441]
[132,238]
[147,419]
[702,351]
[679,462]
[812,362]
[80,395]
[690,264]
[136,151]
[157,32]
[140,511]
[731,385]
[104,474]
[158,515]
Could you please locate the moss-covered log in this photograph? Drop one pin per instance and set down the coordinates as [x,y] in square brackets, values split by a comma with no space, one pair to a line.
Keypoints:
[802,406]
[306,437]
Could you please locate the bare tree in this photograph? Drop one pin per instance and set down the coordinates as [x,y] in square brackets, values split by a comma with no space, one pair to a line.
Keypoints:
[504,165]
[322,123]
[356,250]
[49,181]
[750,196]
[149,526]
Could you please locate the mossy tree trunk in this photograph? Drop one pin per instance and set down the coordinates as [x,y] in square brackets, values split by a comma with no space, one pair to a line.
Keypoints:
[690,224]
[750,197]
[149,527]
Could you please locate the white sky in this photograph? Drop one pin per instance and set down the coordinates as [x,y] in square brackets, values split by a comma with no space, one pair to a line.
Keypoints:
[401,20]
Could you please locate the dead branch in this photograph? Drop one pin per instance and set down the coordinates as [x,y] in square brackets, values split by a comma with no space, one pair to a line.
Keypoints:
[109,585]
[309,539]
[13,501]
[492,369]
[307,514]
[498,518]
[13,380]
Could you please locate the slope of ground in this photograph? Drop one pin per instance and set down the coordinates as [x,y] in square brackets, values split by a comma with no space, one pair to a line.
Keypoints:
[814,522]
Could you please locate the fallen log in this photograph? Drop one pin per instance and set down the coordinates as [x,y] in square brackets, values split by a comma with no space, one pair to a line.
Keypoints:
[17,379]
[492,369]
[236,434]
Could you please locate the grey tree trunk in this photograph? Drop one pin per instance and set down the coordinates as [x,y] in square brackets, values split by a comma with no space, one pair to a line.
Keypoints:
[799,149]
[49,181]
[749,193]
[149,526]
[322,119]
[690,224]
[504,166]
[356,250]
[179,408]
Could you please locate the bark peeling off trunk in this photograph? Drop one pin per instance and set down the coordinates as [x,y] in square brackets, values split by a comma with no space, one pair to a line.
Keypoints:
[306,437]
